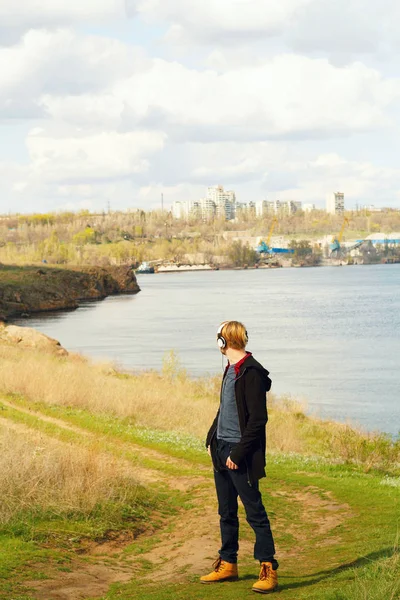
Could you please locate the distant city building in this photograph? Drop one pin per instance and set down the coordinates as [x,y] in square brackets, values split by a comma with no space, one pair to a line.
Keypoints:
[195,210]
[308,207]
[261,208]
[179,210]
[224,201]
[217,203]
[335,203]
[276,207]
[286,207]
[251,209]
[240,208]
[295,205]
[371,208]
[265,207]
[208,209]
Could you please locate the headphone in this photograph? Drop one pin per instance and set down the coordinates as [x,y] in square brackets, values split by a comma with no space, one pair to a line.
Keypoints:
[221,341]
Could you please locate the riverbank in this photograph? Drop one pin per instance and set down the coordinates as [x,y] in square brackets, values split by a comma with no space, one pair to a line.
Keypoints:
[286,264]
[32,289]
[103,474]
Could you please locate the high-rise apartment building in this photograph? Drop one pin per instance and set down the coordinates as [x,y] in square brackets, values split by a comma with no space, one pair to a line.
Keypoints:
[276,207]
[217,203]
[180,210]
[208,209]
[220,203]
[295,205]
[287,207]
[224,201]
[265,207]
[335,203]
[251,209]
[186,210]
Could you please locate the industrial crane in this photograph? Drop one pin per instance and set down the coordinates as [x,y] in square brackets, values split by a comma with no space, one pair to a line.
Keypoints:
[265,247]
[336,241]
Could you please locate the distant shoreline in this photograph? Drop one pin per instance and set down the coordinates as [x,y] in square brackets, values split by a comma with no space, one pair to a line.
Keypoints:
[202,268]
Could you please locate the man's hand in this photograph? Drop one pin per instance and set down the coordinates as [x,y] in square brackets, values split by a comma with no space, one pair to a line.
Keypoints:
[209,450]
[230,464]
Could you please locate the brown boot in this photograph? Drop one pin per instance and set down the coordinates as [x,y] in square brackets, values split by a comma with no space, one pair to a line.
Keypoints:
[268,580]
[223,571]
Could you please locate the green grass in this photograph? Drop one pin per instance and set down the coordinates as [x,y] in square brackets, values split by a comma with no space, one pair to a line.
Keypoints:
[355,559]
[26,277]
[362,553]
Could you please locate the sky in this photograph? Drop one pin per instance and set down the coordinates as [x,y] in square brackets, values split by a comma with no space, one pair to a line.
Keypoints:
[119,101]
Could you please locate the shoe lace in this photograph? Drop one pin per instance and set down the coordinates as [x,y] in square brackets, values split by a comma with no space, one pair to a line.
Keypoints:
[217,565]
[265,572]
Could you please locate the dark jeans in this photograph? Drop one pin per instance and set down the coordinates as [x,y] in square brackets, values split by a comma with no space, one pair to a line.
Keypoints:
[229,485]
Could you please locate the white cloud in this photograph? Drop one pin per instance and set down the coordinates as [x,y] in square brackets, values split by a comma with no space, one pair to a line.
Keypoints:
[102,84]
[19,16]
[362,181]
[86,171]
[341,29]
[289,97]
[92,157]
[345,28]
[59,62]
[223,20]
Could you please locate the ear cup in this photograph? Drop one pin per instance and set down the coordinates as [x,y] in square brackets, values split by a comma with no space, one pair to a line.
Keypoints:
[221,341]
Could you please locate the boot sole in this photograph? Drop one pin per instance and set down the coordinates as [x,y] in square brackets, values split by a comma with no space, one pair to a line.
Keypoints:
[266,591]
[220,580]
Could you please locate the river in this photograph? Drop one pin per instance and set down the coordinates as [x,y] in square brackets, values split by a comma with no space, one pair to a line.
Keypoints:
[329,336]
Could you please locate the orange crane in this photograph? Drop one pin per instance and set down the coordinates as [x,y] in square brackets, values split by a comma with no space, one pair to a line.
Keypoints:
[336,241]
[265,247]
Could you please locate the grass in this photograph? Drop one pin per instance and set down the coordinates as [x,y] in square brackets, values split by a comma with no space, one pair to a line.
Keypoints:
[51,488]
[357,559]
[76,439]
[172,403]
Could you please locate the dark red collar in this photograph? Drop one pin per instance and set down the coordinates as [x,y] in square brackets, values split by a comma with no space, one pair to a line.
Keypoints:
[238,364]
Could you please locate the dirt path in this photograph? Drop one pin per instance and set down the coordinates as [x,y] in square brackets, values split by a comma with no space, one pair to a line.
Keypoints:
[190,541]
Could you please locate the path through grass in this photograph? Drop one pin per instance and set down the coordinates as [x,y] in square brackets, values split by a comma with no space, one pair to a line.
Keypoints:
[335,525]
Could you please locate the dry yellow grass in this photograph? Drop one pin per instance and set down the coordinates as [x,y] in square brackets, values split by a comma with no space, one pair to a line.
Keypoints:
[171,401]
[39,474]
[153,400]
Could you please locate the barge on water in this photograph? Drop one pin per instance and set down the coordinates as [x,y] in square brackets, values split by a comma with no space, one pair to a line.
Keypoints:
[145,267]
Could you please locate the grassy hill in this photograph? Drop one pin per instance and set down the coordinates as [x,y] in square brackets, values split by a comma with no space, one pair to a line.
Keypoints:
[106,491]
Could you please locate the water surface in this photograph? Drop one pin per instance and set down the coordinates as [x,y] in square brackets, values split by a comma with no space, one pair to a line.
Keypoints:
[328,335]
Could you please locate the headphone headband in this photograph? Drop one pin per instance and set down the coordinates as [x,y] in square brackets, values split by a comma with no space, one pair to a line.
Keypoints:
[220,328]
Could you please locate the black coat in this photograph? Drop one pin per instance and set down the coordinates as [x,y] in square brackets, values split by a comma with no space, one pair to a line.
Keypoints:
[251,385]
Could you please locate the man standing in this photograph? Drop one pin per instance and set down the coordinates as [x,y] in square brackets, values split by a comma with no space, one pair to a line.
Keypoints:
[236,444]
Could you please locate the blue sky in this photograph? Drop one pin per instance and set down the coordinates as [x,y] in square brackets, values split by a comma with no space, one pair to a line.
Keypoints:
[121,100]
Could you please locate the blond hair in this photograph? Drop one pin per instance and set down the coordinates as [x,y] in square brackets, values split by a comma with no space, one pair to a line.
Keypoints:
[235,334]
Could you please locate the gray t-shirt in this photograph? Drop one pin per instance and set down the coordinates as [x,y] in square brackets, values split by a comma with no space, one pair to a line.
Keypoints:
[228,422]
